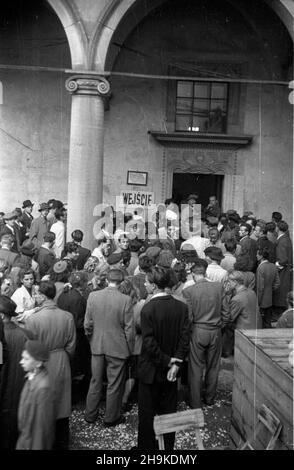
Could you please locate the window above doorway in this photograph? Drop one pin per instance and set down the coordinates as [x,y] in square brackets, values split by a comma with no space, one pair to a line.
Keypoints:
[201,107]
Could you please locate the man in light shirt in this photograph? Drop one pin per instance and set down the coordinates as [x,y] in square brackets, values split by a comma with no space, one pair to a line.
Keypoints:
[215,272]
[59,229]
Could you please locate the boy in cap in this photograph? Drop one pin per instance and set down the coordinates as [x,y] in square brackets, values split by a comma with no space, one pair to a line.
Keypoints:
[11,229]
[35,413]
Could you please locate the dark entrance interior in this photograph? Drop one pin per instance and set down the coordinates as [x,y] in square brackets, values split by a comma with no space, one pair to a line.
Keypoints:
[195,183]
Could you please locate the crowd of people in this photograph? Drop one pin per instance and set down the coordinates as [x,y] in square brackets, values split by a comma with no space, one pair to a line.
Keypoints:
[137,313]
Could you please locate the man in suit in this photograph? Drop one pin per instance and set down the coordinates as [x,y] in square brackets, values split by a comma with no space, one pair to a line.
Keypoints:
[45,256]
[248,245]
[27,218]
[267,281]
[244,311]
[11,229]
[40,226]
[209,313]
[165,344]
[109,327]
[284,263]
[6,254]
[19,227]
[77,236]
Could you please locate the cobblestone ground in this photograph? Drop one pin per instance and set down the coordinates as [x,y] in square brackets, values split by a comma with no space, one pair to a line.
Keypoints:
[215,434]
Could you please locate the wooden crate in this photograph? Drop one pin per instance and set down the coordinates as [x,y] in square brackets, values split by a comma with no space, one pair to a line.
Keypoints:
[262,375]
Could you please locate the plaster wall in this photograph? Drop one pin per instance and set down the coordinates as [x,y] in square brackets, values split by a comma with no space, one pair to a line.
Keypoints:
[35,112]
[183,37]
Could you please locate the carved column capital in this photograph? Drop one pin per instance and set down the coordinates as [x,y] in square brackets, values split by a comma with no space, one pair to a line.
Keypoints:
[88,85]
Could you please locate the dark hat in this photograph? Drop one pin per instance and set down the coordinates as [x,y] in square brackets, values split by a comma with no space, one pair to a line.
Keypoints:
[214,253]
[37,350]
[60,267]
[28,248]
[7,306]
[10,215]
[192,196]
[114,258]
[44,206]
[27,203]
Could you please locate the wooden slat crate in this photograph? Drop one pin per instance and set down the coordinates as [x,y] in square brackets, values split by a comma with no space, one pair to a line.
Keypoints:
[262,375]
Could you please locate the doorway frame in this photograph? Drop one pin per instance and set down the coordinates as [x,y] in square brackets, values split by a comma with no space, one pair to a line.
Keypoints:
[206,160]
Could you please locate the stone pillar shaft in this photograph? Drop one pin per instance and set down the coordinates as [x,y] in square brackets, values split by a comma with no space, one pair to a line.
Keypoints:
[85,177]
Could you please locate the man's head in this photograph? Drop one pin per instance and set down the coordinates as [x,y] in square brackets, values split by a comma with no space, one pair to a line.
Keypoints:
[282,226]
[47,290]
[115,277]
[77,236]
[1,216]
[27,206]
[213,254]
[290,299]
[60,214]
[71,250]
[49,239]
[157,279]
[244,230]
[263,253]
[259,229]
[230,246]
[212,200]
[270,227]
[123,242]
[199,269]
[44,209]
[235,280]
[213,235]
[277,217]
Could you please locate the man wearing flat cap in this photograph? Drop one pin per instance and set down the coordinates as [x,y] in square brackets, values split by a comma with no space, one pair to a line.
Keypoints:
[11,229]
[27,218]
[40,226]
[215,272]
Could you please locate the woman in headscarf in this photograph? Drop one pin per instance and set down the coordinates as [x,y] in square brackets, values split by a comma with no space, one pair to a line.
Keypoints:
[36,417]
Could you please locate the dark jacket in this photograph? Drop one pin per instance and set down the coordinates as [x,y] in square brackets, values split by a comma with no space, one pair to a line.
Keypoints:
[267,281]
[244,310]
[84,254]
[12,380]
[207,304]
[284,257]
[36,418]
[45,259]
[26,220]
[165,334]
[249,246]
[39,227]
[73,302]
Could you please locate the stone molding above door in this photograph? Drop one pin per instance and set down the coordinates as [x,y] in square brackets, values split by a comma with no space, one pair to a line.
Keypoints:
[212,160]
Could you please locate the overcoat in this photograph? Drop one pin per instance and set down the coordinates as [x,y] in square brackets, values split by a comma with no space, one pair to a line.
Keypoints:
[35,414]
[56,329]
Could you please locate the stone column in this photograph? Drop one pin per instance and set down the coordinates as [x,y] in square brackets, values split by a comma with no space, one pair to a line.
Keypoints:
[85,176]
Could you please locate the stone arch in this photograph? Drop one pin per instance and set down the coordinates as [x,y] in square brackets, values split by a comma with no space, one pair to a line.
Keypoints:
[74,30]
[113,15]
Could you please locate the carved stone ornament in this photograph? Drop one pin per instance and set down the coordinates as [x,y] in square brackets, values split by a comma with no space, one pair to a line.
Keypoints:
[88,85]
